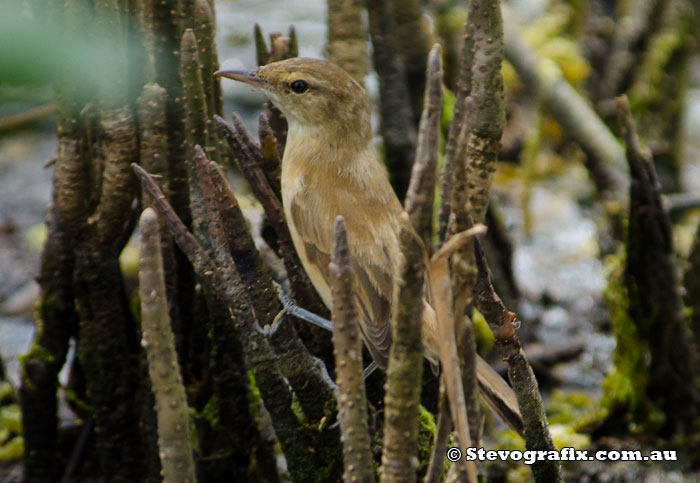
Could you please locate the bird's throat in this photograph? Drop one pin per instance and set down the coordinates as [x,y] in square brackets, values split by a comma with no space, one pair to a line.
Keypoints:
[323,148]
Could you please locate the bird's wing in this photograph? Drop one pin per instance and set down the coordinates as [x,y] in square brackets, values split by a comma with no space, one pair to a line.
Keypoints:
[373,295]
[373,248]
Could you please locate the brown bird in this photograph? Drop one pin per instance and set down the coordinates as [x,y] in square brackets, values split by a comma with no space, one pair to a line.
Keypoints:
[330,168]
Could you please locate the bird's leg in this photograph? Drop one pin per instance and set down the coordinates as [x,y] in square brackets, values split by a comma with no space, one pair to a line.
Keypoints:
[291,308]
[370,369]
[272,328]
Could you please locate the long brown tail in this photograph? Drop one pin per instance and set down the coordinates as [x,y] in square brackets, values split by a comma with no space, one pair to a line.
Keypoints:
[493,389]
[498,395]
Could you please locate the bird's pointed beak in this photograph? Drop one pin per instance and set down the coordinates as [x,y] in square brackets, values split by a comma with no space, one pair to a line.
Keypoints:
[246,76]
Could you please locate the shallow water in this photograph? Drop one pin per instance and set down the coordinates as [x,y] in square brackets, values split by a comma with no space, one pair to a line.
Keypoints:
[25,192]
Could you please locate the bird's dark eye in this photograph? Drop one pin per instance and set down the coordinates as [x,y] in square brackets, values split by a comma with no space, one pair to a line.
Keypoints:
[299,86]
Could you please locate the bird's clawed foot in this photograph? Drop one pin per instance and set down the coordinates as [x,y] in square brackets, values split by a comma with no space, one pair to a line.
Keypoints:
[291,308]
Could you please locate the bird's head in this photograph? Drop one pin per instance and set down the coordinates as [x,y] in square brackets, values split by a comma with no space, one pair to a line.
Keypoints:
[311,93]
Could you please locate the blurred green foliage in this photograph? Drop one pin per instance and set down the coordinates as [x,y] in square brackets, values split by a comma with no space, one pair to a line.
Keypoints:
[36,52]
[11,443]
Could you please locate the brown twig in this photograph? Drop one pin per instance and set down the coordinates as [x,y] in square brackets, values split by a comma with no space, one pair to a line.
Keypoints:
[249,159]
[413,41]
[56,315]
[454,136]
[235,240]
[196,130]
[230,384]
[184,239]
[402,398]
[164,26]
[14,121]
[261,53]
[56,322]
[283,47]
[487,118]
[204,26]
[280,48]
[502,323]
[153,134]
[471,154]
[346,37]
[442,299]
[174,446]
[258,354]
[271,157]
[403,386]
[397,127]
[153,157]
[118,148]
[442,434]
[106,340]
[655,304]
[421,190]
[233,247]
[220,251]
[352,401]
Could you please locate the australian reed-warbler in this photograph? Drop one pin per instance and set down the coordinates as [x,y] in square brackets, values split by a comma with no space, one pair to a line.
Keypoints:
[330,168]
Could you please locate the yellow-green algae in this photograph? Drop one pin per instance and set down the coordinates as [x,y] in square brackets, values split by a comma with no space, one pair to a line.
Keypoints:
[625,386]
[426,436]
